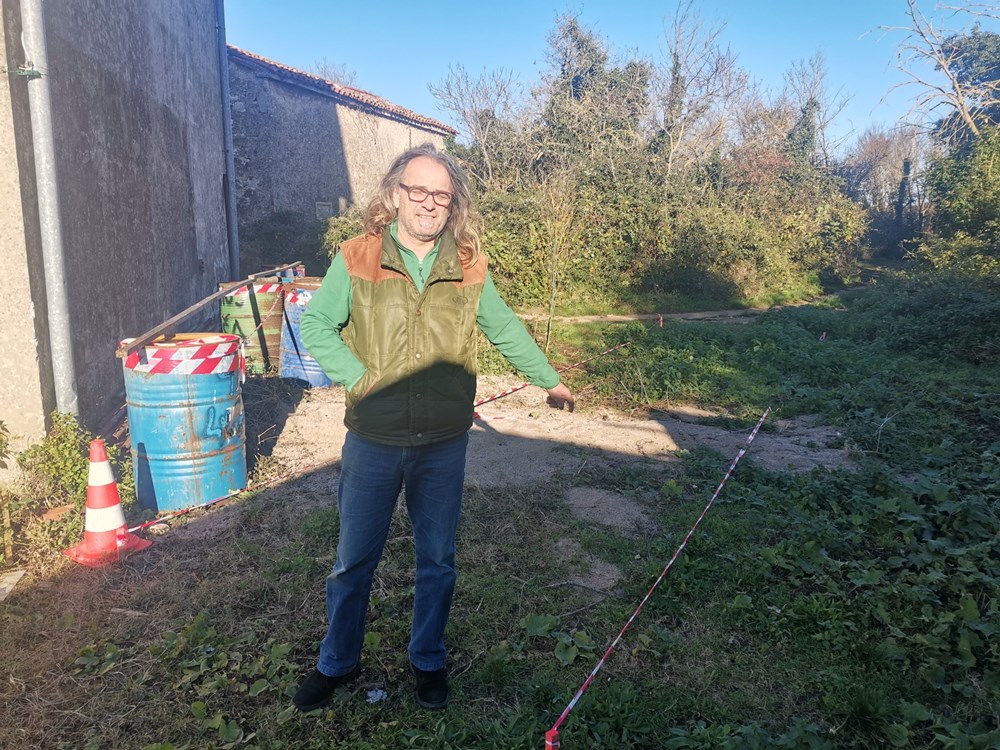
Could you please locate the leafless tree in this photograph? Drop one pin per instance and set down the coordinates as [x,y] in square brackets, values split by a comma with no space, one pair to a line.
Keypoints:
[694,88]
[334,72]
[884,172]
[806,81]
[874,166]
[926,45]
[489,118]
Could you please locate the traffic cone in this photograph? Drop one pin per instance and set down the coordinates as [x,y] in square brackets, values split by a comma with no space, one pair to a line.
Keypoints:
[105,534]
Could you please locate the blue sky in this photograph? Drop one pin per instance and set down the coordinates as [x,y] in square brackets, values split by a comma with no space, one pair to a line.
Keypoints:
[397,49]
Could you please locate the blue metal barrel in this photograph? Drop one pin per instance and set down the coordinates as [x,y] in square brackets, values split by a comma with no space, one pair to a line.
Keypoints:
[296,362]
[185,413]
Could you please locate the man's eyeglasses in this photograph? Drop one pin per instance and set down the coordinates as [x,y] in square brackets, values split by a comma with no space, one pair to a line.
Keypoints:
[419,195]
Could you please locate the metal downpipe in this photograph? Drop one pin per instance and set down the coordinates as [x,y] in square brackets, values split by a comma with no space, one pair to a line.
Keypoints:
[49,216]
[227,128]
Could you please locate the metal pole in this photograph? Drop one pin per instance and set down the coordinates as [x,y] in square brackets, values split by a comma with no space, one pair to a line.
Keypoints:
[49,216]
[229,178]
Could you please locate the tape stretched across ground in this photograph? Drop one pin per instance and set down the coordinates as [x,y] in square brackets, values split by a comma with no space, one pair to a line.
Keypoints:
[552,736]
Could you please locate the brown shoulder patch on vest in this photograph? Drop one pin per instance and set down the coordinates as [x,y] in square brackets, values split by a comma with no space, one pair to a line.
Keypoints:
[475,273]
[363,257]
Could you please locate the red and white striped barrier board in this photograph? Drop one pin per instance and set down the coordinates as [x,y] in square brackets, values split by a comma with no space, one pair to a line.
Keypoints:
[204,355]
[257,289]
[298,297]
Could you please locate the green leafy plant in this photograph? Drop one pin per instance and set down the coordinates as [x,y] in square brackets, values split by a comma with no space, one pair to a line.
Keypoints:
[341,228]
[568,645]
[55,473]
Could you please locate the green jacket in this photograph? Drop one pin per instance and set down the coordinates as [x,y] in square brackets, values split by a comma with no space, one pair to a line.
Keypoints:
[409,356]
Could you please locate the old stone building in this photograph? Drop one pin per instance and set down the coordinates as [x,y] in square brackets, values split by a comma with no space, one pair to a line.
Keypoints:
[307,146]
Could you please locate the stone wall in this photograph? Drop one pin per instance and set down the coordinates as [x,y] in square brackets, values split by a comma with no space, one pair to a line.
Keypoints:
[299,150]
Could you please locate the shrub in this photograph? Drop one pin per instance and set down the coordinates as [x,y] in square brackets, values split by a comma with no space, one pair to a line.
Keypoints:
[341,228]
[940,315]
[965,189]
[54,473]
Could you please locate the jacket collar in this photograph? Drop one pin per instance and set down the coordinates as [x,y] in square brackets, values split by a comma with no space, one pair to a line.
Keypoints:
[447,266]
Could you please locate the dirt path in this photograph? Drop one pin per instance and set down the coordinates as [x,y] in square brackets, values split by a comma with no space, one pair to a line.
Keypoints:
[710,316]
[518,440]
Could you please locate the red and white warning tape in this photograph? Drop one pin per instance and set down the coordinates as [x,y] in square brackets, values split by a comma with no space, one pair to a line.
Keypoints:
[552,736]
[257,288]
[218,353]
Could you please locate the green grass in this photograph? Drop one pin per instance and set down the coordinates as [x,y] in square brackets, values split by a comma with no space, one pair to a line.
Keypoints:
[831,609]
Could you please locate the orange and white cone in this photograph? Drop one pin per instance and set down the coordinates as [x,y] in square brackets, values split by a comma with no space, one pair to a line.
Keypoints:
[105,534]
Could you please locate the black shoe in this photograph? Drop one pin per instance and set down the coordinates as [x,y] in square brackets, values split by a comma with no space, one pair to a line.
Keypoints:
[432,687]
[317,689]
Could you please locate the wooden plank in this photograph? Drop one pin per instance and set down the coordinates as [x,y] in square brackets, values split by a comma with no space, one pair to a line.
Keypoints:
[167,326]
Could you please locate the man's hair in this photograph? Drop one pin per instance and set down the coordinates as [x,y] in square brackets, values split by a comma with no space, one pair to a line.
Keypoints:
[462,217]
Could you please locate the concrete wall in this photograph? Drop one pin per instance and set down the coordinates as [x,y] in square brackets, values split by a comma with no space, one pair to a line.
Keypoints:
[139,149]
[25,380]
[295,147]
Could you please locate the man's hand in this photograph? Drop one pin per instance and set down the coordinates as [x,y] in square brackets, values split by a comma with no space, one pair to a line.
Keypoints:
[559,397]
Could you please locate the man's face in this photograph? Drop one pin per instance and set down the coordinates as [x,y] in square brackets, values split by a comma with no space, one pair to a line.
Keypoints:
[421,223]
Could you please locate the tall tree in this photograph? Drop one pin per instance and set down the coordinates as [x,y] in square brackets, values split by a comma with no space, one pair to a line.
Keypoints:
[591,110]
[967,87]
[806,86]
[693,90]
[491,124]
[976,66]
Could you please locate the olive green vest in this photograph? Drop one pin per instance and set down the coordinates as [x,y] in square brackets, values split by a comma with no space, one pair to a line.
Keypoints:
[419,349]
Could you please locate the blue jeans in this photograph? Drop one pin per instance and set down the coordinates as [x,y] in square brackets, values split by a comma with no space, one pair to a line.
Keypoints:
[370,480]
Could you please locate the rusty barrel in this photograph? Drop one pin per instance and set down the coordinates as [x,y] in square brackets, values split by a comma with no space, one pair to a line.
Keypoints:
[186,424]
[254,313]
[296,362]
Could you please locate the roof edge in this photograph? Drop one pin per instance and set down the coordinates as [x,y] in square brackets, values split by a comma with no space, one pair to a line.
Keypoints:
[348,94]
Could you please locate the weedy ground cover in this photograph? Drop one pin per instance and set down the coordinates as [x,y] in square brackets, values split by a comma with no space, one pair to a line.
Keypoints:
[833,609]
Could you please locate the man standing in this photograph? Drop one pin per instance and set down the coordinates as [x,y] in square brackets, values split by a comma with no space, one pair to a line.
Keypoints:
[395,322]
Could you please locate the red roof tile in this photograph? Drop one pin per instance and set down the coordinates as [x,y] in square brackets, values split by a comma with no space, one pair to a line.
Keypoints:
[352,95]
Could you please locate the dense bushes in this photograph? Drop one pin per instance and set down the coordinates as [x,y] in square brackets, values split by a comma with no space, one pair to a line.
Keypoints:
[604,191]
[965,188]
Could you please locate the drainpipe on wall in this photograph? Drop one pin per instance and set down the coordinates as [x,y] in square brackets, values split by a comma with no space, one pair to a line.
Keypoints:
[227,128]
[49,217]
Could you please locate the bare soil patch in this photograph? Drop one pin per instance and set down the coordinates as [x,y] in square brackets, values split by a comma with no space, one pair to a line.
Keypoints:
[518,441]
